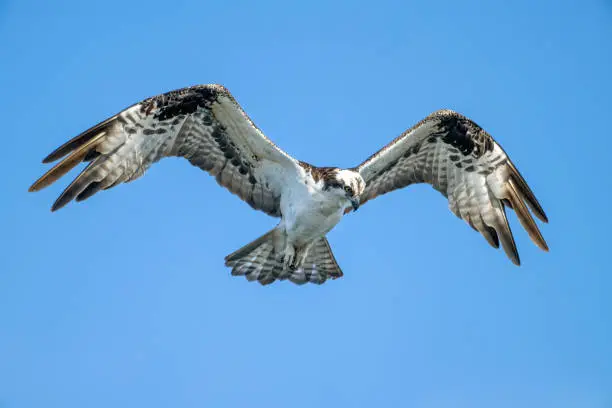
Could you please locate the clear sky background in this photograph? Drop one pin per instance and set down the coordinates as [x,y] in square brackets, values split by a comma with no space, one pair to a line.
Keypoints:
[123,301]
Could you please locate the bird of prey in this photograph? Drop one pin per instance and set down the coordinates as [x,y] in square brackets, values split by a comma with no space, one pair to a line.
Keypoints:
[205,125]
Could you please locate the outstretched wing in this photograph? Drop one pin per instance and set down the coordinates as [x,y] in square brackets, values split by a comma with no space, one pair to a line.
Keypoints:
[462,161]
[203,124]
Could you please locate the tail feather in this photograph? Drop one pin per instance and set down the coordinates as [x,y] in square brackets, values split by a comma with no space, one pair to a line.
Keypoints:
[319,265]
[258,261]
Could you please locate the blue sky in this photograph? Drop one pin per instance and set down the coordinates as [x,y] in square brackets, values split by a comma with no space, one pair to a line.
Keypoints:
[124,300]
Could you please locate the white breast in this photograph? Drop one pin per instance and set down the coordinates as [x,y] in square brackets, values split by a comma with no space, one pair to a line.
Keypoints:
[308,211]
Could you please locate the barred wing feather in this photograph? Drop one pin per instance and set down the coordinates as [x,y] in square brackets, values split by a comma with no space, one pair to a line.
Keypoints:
[462,161]
[203,124]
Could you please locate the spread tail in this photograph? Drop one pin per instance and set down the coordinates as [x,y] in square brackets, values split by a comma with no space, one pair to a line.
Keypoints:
[259,261]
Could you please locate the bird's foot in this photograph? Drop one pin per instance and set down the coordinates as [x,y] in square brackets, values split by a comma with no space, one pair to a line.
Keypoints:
[300,256]
[289,258]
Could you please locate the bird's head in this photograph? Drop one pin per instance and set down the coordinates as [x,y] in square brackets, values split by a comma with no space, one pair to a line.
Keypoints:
[347,185]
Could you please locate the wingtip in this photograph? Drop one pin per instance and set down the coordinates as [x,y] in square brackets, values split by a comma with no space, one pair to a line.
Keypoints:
[513,255]
[60,203]
[37,185]
[526,193]
[49,159]
[538,211]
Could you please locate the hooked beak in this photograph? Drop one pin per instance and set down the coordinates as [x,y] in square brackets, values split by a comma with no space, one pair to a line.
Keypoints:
[355,203]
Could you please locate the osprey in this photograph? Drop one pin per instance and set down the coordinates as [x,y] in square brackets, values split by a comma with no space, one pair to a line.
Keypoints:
[205,125]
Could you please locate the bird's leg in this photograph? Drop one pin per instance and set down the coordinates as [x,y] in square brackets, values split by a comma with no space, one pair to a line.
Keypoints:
[294,257]
[289,257]
[280,244]
[300,256]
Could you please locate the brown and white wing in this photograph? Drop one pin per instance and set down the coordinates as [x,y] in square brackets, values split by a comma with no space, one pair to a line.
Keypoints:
[462,161]
[203,124]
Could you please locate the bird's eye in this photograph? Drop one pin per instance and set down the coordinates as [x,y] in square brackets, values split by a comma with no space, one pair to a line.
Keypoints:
[348,189]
